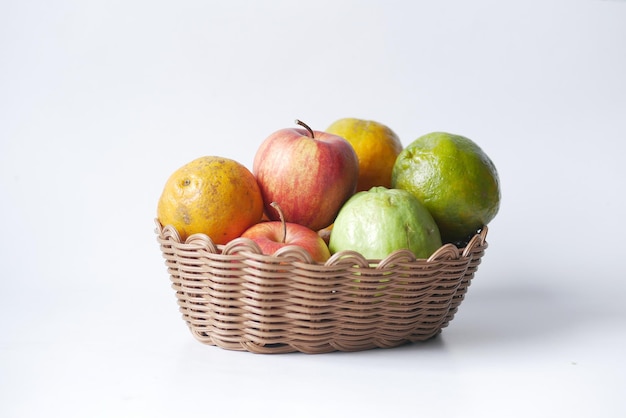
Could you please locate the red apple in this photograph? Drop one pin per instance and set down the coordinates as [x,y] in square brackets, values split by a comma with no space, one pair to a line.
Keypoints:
[273,235]
[311,173]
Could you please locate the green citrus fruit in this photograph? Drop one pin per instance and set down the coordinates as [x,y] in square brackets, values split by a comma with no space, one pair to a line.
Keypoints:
[454,178]
[379,221]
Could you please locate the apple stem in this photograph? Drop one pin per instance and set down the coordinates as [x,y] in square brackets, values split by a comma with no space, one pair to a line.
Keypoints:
[299,122]
[282,219]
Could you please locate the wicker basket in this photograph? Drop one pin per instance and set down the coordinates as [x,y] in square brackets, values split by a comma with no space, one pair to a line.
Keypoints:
[234,297]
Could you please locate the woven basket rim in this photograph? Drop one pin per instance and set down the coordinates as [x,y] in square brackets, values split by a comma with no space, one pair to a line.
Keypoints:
[246,247]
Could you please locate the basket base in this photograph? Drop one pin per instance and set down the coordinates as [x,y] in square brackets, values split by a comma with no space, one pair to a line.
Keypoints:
[280,348]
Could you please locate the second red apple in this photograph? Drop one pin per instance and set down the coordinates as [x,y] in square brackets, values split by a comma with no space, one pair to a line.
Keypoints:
[274,235]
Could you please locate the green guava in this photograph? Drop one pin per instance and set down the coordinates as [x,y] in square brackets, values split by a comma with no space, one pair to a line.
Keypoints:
[379,221]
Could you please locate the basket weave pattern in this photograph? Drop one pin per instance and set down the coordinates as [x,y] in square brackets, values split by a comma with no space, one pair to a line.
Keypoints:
[234,297]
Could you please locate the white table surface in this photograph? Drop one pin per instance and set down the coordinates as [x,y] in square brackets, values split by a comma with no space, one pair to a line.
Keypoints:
[101,101]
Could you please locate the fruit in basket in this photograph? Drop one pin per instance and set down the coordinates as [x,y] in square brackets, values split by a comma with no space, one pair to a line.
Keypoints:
[274,235]
[311,173]
[379,221]
[325,233]
[454,178]
[212,195]
[376,147]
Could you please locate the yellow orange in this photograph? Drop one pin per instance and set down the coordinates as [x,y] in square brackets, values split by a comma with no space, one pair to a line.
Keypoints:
[212,195]
[376,147]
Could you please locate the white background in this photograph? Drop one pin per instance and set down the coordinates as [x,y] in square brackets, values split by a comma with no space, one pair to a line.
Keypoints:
[101,100]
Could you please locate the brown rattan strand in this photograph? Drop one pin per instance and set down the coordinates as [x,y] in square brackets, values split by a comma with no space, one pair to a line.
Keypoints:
[234,297]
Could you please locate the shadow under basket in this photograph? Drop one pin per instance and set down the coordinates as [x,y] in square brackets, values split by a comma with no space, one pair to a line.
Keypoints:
[234,297]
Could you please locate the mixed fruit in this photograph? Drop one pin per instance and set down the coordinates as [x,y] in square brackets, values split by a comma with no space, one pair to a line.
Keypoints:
[353,186]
